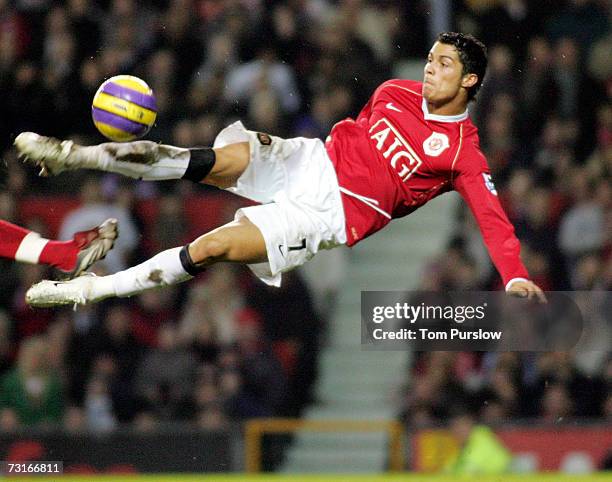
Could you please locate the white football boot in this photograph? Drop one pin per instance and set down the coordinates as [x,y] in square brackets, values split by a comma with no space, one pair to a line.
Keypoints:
[51,155]
[47,293]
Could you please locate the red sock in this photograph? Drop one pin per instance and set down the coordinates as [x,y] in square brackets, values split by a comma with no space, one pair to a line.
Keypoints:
[61,254]
[27,246]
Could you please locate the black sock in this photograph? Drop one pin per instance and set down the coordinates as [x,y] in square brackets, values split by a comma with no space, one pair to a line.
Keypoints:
[201,162]
[188,264]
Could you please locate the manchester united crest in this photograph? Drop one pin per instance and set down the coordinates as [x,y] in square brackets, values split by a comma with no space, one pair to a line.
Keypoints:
[436,144]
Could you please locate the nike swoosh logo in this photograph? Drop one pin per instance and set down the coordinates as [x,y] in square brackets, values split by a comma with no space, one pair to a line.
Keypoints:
[297,248]
[293,248]
[390,106]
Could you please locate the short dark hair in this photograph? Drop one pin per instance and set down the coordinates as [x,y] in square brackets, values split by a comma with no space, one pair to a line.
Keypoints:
[472,53]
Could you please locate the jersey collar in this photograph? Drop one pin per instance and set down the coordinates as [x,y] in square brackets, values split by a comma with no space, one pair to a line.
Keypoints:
[443,118]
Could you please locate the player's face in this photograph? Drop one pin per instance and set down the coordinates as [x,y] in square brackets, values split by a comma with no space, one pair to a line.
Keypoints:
[443,74]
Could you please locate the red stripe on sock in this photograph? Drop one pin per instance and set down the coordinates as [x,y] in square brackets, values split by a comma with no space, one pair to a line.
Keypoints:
[61,254]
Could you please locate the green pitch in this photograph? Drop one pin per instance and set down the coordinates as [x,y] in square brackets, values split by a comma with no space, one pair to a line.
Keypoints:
[603,477]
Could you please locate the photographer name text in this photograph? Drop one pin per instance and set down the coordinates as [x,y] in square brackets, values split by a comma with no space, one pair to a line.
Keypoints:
[427,334]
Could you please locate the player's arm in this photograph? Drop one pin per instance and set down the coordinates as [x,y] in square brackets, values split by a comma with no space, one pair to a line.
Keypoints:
[477,189]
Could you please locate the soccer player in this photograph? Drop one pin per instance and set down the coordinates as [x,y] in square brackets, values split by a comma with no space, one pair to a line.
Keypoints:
[71,257]
[412,142]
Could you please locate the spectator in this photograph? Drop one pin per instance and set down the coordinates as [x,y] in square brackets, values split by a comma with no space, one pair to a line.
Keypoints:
[94,208]
[32,390]
[99,406]
[212,418]
[6,347]
[165,373]
[515,22]
[75,421]
[539,89]
[582,20]
[582,227]
[149,312]
[171,224]
[262,373]
[481,452]
[556,404]
[265,72]
[219,300]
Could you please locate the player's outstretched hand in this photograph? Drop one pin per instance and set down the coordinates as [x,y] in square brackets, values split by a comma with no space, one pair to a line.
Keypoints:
[527,289]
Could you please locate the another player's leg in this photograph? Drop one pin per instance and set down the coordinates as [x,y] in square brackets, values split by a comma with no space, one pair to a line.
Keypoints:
[70,257]
[239,241]
[146,160]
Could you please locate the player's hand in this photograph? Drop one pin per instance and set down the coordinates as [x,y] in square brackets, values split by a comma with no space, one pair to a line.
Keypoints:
[527,289]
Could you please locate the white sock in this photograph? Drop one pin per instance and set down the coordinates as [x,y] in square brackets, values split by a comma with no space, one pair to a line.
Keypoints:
[163,269]
[170,162]
[30,248]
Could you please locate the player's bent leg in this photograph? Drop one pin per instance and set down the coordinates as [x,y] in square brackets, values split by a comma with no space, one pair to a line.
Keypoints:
[239,241]
[230,162]
[163,269]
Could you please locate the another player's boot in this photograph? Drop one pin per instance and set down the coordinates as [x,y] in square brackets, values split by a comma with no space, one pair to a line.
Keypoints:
[93,245]
[138,159]
[47,293]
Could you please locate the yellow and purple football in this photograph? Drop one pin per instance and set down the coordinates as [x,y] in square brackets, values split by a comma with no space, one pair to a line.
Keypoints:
[124,108]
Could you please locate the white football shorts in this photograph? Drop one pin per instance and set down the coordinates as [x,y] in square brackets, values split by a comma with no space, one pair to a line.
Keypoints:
[301,208]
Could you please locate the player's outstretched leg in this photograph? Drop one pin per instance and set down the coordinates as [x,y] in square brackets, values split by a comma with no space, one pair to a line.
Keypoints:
[70,257]
[139,159]
[239,241]
[145,160]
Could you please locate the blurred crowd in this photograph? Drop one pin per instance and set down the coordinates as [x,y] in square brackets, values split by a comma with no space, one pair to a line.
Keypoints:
[222,349]
[225,347]
[497,388]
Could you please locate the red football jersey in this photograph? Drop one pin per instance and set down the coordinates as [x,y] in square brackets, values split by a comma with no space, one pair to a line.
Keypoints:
[396,156]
